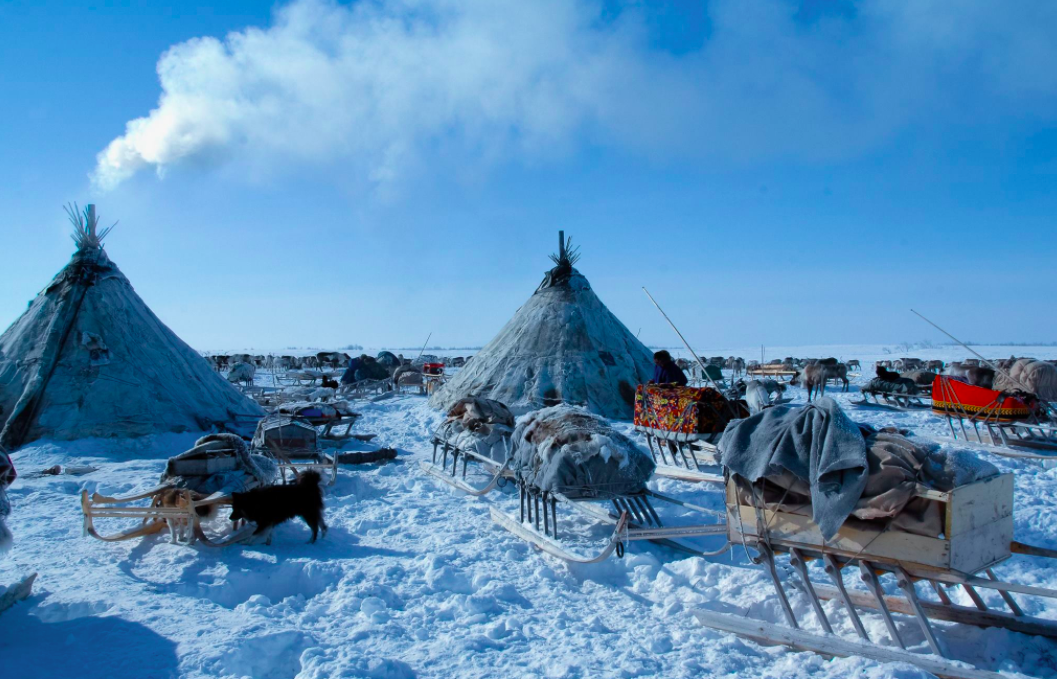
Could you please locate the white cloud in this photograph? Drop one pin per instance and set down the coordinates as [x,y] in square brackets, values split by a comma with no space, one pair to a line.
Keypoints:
[377,84]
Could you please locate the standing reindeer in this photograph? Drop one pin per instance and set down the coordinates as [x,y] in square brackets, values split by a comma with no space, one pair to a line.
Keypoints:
[814,377]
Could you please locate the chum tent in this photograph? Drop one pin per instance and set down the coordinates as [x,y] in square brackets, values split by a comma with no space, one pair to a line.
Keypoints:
[562,346]
[88,358]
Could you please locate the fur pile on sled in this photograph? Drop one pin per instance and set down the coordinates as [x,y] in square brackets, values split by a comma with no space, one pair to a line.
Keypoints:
[479,424]
[252,469]
[242,372]
[1039,377]
[568,450]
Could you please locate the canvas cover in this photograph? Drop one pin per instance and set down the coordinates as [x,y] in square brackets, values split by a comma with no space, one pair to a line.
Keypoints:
[89,358]
[562,346]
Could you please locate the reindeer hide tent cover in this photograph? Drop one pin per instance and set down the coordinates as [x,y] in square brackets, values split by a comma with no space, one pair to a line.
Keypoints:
[89,358]
[562,346]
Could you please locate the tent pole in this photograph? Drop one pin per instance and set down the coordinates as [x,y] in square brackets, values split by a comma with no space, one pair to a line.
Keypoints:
[989,363]
[685,343]
[424,344]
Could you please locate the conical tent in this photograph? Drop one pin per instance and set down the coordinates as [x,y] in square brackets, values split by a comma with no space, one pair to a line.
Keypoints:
[563,345]
[89,358]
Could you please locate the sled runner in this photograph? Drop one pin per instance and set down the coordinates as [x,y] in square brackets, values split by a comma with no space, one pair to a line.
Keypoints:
[183,521]
[633,517]
[977,535]
[894,399]
[999,422]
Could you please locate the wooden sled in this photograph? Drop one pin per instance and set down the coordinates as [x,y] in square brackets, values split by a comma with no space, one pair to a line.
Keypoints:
[977,536]
[184,523]
[686,457]
[498,474]
[997,423]
[634,518]
[894,400]
[778,372]
[298,462]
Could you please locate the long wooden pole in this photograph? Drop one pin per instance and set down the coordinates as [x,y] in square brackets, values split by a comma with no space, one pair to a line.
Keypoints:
[972,351]
[685,343]
[424,344]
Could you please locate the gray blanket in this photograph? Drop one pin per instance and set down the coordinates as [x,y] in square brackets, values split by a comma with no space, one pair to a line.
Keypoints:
[816,443]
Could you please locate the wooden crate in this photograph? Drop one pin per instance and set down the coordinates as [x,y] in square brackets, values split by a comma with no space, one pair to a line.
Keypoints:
[978,530]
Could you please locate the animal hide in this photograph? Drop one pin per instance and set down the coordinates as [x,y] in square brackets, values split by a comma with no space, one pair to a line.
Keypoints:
[1040,378]
[902,385]
[569,450]
[481,425]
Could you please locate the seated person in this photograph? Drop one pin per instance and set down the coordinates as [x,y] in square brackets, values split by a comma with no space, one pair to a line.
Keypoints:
[665,371]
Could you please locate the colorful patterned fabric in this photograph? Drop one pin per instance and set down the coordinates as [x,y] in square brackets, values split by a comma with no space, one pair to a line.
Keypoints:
[683,410]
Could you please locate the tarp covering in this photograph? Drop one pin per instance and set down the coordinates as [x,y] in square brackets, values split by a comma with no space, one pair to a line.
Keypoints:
[881,386]
[571,451]
[898,469]
[252,470]
[817,443]
[89,358]
[562,346]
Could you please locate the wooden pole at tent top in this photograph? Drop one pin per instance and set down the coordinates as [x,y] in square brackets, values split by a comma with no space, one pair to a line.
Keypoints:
[561,246]
[91,213]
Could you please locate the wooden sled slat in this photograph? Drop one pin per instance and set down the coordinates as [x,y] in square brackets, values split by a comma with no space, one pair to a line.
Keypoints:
[552,547]
[456,482]
[103,499]
[950,612]
[832,645]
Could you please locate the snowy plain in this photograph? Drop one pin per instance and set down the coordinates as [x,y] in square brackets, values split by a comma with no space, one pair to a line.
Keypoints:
[414,579]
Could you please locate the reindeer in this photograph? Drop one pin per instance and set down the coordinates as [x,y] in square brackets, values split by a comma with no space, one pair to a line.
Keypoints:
[815,376]
[854,363]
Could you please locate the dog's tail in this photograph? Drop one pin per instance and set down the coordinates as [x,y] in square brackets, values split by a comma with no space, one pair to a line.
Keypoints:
[309,478]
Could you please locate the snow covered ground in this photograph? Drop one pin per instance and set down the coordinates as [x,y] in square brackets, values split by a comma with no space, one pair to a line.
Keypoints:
[414,580]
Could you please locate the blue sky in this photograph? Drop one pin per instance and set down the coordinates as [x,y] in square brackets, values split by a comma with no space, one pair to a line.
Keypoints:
[320,174]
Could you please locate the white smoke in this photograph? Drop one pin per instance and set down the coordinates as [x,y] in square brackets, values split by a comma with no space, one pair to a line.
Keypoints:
[377,84]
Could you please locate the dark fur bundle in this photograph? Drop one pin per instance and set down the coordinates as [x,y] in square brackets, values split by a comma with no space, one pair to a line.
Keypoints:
[268,507]
[887,375]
